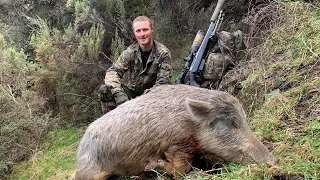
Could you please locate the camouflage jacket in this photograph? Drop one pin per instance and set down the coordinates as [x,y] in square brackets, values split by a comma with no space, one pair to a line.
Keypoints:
[158,69]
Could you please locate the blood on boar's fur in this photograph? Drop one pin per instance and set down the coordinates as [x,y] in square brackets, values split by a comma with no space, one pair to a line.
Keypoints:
[163,130]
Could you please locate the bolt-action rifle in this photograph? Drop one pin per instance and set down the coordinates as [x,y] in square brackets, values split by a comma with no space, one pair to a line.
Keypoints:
[196,58]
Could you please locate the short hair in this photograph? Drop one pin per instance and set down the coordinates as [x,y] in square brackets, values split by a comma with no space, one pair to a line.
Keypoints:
[142,18]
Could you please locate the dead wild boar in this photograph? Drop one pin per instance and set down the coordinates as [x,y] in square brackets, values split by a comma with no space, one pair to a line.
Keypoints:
[163,129]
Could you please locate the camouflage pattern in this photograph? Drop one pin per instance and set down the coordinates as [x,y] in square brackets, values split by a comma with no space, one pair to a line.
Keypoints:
[239,44]
[158,70]
[231,50]
[215,66]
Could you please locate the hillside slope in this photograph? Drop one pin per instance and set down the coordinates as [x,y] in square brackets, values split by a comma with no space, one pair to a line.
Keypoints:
[279,86]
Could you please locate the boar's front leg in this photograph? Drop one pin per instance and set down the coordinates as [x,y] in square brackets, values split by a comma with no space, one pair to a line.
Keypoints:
[176,162]
[176,167]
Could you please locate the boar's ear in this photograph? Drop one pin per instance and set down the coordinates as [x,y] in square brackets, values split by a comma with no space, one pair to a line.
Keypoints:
[198,109]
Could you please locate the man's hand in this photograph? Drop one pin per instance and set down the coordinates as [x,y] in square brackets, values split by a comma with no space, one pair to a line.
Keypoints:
[105,94]
[120,98]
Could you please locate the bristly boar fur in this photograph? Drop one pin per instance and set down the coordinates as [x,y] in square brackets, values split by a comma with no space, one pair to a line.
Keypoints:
[163,129]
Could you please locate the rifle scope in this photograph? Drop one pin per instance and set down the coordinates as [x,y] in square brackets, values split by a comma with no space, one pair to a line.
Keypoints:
[197,41]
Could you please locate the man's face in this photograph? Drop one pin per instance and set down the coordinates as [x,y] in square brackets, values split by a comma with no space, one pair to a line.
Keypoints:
[143,32]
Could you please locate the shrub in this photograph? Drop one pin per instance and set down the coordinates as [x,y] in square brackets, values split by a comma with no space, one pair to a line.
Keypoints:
[71,71]
[22,126]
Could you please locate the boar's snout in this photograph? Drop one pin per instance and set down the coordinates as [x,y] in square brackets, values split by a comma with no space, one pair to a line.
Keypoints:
[257,152]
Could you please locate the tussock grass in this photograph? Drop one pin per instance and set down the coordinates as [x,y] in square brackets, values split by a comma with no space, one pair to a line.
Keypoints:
[281,93]
[283,89]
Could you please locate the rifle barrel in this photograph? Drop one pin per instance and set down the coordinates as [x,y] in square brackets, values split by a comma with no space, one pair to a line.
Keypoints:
[217,10]
[194,68]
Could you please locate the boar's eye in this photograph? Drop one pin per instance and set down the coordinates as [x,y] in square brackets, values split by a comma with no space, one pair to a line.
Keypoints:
[234,125]
[224,122]
[214,123]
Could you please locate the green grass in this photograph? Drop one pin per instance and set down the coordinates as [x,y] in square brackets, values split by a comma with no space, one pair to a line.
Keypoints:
[56,158]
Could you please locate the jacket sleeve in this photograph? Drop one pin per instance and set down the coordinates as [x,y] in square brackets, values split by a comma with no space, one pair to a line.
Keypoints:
[116,71]
[165,69]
